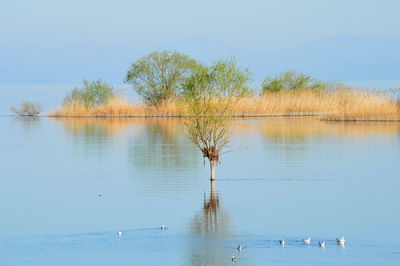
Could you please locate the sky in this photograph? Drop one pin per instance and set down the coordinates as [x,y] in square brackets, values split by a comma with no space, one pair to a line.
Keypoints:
[62,42]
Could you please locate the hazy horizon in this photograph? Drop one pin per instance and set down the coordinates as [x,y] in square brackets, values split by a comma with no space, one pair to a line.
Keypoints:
[62,43]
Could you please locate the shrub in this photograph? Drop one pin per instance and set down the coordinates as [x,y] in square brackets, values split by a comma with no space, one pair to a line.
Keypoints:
[27,109]
[92,94]
[291,80]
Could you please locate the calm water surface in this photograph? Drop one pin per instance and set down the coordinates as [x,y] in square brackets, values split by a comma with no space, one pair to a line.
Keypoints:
[286,179]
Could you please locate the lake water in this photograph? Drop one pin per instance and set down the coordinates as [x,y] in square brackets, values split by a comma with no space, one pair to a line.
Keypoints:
[286,179]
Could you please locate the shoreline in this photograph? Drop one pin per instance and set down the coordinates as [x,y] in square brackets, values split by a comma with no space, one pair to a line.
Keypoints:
[341,104]
[294,114]
[316,116]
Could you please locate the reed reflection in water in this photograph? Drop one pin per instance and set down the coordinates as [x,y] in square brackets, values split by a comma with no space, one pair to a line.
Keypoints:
[152,143]
[162,147]
[156,151]
[160,157]
[170,131]
[303,130]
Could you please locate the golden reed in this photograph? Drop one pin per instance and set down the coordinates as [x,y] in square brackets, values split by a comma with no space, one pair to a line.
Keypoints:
[336,105]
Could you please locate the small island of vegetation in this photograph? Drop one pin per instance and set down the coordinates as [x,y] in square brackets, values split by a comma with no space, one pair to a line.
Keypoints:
[160,77]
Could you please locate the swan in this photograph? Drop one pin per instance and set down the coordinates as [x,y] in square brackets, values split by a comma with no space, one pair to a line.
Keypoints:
[321,244]
[119,233]
[307,240]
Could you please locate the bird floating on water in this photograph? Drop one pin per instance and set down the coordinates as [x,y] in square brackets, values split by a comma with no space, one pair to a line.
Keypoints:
[119,233]
[163,227]
[307,240]
[239,247]
[282,242]
[321,244]
[234,259]
[340,241]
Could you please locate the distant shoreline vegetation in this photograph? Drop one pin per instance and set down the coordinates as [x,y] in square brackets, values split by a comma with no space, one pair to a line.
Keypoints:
[27,109]
[160,79]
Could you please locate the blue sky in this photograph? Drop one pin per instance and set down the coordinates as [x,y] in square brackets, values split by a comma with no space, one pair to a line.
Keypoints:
[61,42]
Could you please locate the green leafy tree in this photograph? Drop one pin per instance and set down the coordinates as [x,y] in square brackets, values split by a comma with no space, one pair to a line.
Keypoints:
[91,94]
[210,93]
[158,76]
[291,80]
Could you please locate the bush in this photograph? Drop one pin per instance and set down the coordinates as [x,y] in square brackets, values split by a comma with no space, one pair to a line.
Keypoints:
[92,94]
[291,80]
[27,109]
[158,76]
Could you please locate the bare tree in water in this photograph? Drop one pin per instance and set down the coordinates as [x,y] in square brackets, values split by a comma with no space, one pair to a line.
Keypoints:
[27,109]
[210,93]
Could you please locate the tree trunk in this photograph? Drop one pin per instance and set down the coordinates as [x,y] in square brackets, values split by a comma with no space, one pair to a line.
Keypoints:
[212,170]
[212,187]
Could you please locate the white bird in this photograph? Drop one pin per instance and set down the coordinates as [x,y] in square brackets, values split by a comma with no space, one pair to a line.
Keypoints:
[307,240]
[321,244]
[234,259]
[119,233]
[163,227]
[340,241]
[239,247]
[282,242]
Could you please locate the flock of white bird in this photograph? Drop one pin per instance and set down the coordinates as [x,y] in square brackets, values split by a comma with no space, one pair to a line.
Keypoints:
[339,241]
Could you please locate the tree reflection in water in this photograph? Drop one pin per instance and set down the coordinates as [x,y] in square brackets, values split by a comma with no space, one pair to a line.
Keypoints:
[162,148]
[212,218]
[210,230]
[27,121]
[95,135]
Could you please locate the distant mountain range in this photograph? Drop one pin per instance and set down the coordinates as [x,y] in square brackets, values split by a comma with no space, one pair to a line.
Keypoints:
[339,58]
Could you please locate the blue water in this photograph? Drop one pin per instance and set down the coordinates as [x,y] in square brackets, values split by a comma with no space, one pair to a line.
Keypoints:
[286,179]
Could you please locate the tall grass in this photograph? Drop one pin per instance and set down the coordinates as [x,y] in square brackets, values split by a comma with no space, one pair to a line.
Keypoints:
[335,105]
[118,108]
[355,105]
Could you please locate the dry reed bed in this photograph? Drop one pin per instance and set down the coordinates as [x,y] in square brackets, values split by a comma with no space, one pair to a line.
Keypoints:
[119,108]
[335,105]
